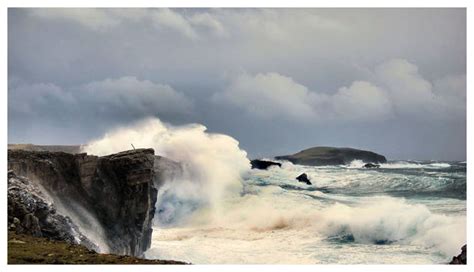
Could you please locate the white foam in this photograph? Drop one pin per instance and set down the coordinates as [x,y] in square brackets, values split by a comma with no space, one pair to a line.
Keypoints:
[213,164]
[275,226]
[399,165]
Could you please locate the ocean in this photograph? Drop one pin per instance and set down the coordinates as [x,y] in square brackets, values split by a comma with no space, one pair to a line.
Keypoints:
[216,210]
[405,212]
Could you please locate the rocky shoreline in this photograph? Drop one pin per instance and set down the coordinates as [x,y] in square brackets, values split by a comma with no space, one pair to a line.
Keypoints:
[59,203]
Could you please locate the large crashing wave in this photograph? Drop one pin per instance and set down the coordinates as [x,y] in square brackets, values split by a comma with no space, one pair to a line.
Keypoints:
[209,196]
[212,164]
[385,220]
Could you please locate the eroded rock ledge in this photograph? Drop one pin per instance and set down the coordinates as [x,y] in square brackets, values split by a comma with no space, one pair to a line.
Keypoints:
[111,198]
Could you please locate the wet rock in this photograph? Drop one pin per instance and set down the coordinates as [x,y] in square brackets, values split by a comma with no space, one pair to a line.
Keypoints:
[263,165]
[461,258]
[303,178]
[371,165]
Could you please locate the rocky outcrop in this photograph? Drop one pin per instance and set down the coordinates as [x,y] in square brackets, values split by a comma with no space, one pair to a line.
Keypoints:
[31,212]
[262,164]
[461,258]
[320,156]
[304,178]
[371,165]
[111,199]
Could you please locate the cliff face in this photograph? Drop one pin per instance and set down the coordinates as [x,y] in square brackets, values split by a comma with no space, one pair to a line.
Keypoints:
[320,156]
[111,199]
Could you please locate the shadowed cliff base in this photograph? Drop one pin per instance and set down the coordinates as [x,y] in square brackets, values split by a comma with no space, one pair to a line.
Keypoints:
[26,249]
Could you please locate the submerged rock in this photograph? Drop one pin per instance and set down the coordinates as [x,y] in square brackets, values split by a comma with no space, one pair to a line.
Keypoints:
[304,178]
[320,156]
[262,164]
[111,199]
[371,165]
[461,258]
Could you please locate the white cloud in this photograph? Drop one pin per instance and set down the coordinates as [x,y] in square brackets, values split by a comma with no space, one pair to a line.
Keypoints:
[283,25]
[95,19]
[409,91]
[412,94]
[361,101]
[174,21]
[273,95]
[208,21]
[268,95]
[163,18]
[399,91]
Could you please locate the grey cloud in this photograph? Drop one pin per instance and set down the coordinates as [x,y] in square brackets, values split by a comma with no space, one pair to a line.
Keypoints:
[97,105]
[132,96]
[164,18]
[96,19]
[338,61]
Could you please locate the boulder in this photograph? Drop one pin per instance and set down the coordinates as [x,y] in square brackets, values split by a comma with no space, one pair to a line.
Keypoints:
[322,155]
[371,165]
[461,258]
[262,164]
[304,178]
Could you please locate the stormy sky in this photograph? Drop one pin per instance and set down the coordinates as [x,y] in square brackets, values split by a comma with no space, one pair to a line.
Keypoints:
[278,80]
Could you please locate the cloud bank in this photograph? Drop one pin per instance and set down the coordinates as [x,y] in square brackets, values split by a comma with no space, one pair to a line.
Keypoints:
[397,89]
[370,78]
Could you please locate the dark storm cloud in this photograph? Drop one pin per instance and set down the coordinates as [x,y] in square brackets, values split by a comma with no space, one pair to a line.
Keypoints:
[278,80]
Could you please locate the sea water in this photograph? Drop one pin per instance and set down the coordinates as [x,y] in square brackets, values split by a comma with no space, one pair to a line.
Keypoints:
[405,212]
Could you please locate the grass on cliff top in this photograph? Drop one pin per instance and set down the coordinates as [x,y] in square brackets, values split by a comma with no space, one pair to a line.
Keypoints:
[26,249]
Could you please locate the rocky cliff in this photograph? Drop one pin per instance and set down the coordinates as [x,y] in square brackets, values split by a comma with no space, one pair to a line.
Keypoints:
[111,199]
[322,155]
[31,212]
[461,258]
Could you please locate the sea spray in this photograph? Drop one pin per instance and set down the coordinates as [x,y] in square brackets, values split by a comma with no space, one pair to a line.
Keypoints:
[272,225]
[213,164]
[209,209]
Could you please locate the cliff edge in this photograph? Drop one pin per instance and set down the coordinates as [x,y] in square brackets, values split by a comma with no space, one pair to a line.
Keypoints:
[110,200]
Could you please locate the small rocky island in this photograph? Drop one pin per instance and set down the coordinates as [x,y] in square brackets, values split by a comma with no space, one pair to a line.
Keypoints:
[323,155]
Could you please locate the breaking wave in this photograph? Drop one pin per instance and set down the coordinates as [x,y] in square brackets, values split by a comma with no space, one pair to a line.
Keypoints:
[212,164]
[217,206]
[400,165]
